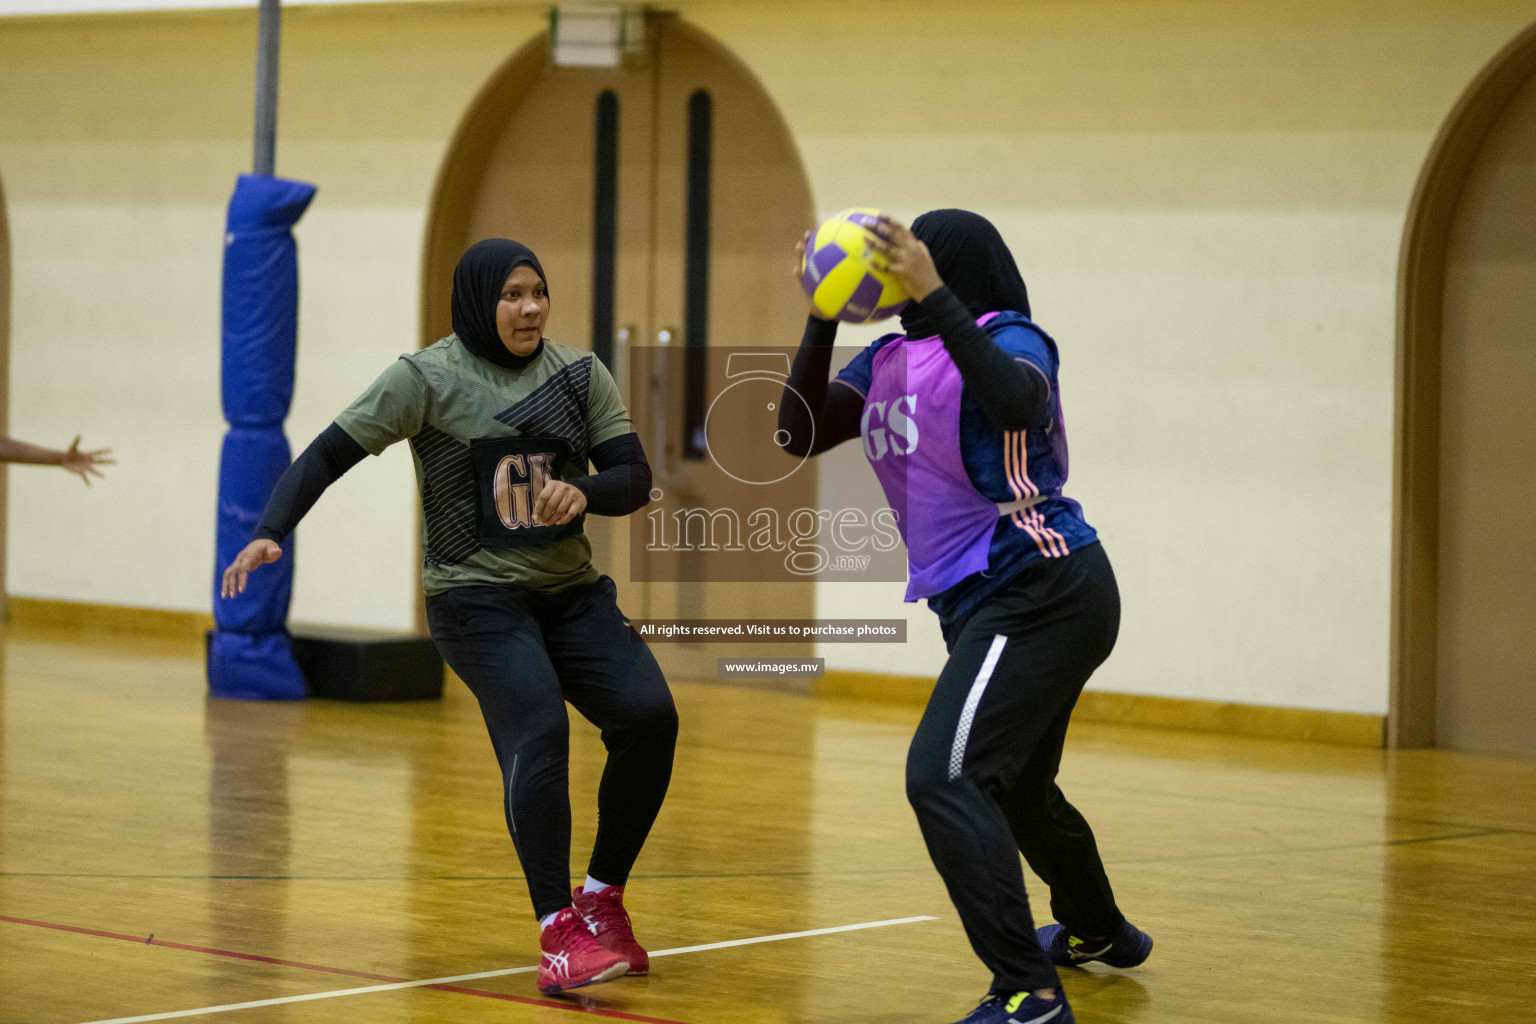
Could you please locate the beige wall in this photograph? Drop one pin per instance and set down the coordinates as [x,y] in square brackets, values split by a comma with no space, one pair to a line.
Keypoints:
[1206,199]
[119,142]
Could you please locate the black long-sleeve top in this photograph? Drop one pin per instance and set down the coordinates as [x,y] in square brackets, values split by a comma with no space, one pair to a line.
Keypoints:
[621,484]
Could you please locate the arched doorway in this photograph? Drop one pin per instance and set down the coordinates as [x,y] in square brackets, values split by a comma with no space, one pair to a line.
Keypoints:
[664,198]
[1464,557]
[5,387]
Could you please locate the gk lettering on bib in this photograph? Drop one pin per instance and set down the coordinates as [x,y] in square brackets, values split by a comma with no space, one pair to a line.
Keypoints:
[509,474]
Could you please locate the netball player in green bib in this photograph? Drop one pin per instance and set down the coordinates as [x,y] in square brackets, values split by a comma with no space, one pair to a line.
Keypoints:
[502,423]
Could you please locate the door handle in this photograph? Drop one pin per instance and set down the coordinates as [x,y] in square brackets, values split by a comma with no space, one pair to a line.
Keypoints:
[661,465]
[623,338]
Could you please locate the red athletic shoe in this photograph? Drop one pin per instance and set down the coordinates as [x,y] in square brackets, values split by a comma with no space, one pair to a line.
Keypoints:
[609,921]
[573,957]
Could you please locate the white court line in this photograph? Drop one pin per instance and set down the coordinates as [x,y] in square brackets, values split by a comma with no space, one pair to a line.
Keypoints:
[790,935]
[455,979]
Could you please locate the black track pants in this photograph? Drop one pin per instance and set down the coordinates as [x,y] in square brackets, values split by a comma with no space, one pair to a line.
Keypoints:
[524,654]
[982,768]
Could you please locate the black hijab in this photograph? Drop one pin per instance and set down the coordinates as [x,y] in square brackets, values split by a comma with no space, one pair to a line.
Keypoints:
[477,282]
[974,261]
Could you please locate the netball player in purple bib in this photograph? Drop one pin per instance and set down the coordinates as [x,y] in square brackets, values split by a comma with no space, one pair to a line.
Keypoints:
[961,419]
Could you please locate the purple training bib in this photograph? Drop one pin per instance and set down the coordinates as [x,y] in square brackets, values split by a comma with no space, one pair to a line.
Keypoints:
[911,433]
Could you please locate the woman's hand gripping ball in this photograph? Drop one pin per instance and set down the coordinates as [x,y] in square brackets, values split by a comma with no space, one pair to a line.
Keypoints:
[907,257]
[799,273]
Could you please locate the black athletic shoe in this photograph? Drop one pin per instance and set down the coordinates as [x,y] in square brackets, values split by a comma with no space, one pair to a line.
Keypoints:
[1129,946]
[1022,1008]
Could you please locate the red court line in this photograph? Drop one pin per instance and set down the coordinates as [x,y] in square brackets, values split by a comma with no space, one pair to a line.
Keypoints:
[507,997]
[150,941]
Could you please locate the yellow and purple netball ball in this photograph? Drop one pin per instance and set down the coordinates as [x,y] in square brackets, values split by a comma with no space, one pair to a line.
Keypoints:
[844,277]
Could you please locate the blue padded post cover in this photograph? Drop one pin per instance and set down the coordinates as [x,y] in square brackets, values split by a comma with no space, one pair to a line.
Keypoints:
[249,651]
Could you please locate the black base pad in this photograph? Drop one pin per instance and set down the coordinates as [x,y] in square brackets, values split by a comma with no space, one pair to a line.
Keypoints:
[366,665]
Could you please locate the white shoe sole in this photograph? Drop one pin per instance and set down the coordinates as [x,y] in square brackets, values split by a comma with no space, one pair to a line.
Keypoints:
[618,970]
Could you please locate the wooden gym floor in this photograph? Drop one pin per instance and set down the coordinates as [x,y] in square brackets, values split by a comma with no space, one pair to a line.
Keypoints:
[160,852]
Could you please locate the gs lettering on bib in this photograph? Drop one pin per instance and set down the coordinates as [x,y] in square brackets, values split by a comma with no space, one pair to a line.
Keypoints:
[509,474]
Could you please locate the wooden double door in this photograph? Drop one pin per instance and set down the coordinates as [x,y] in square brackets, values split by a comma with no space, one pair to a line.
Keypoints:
[664,199]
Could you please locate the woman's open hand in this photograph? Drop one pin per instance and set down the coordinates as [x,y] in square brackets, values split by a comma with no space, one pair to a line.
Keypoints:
[910,262]
[558,503]
[257,553]
[83,464]
[801,248]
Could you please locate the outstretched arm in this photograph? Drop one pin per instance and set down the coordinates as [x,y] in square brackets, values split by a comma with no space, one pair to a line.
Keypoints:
[325,460]
[321,464]
[393,408]
[74,460]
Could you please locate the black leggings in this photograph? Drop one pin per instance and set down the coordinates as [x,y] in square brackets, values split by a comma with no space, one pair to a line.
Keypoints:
[524,653]
[981,772]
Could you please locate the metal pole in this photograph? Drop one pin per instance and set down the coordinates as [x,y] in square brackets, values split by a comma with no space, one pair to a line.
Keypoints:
[268,34]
